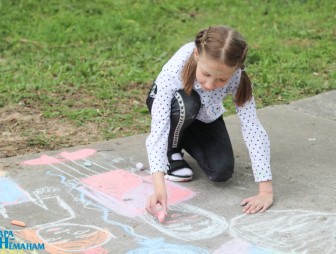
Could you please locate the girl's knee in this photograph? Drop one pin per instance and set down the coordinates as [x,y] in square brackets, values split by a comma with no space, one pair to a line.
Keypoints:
[222,173]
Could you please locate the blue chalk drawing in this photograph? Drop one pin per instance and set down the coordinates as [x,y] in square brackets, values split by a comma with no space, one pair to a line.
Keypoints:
[11,193]
[158,246]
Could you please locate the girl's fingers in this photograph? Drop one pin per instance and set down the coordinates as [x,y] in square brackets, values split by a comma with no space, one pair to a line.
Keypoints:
[151,206]
[265,207]
[245,201]
[247,207]
[257,208]
[164,208]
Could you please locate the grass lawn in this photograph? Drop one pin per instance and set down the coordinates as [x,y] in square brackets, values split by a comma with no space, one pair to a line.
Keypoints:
[91,62]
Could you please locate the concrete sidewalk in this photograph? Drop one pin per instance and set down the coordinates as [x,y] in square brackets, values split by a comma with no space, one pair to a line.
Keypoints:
[90,199]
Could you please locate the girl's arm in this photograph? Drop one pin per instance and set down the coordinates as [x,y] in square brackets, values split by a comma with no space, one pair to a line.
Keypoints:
[159,196]
[258,144]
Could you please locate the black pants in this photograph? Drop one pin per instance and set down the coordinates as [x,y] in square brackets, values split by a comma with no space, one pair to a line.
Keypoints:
[208,143]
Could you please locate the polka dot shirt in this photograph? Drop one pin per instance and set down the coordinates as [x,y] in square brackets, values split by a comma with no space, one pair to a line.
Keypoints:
[169,81]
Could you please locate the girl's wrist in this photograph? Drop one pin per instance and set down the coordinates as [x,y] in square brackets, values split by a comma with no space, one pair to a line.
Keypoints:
[158,181]
[266,187]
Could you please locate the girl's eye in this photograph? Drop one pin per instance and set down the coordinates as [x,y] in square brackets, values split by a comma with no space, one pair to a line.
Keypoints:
[206,74]
[222,80]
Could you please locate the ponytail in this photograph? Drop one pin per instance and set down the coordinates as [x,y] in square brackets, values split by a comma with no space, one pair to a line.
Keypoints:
[189,70]
[244,90]
[189,74]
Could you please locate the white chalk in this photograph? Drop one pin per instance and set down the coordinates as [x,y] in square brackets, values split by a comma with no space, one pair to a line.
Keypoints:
[87,164]
[140,166]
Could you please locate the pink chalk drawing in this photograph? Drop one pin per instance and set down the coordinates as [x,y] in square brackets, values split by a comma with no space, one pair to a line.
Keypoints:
[61,157]
[126,193]
[80,154]
[42,160]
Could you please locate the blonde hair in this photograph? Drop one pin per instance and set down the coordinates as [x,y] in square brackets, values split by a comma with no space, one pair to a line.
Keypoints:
[227,46]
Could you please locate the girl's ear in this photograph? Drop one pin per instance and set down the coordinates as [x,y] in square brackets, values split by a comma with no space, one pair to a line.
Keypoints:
[196,55]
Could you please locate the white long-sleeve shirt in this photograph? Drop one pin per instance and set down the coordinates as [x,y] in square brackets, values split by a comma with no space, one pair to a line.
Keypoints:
[169,81]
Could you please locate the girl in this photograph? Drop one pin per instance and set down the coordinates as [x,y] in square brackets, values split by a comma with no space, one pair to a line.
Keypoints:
[185,102]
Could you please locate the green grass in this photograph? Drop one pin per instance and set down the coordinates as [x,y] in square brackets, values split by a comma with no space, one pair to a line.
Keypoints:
[93,61]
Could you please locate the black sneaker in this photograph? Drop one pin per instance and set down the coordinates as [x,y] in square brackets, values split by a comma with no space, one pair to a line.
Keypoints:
[175,165]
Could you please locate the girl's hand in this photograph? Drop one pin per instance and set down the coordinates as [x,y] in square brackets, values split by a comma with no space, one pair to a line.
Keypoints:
[157,203]
[261,202]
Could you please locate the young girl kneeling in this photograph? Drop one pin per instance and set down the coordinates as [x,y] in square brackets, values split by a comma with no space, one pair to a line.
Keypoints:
[186,106]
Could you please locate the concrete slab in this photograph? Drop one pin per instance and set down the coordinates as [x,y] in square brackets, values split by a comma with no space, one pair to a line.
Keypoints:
[90,199]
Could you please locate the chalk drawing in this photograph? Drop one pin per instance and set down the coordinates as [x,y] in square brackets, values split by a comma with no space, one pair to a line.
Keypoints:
[148,245]
[74,237]
[76,176]
[11,193]
[47,160]
[43,160]
[189,223]
[238,246]
[158,246]
[67,237]
[126,193]
[44,201]
[106,187]
[49,226]
[297,231]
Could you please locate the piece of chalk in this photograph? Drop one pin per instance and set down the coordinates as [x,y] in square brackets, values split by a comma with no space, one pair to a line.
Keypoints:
[139,166]
[87,164]
[18,223]
[161,216]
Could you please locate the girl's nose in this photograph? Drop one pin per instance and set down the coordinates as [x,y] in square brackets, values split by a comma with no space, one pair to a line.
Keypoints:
[209,85]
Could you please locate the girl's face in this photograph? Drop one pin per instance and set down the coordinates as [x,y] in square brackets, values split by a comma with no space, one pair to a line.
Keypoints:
[211,74]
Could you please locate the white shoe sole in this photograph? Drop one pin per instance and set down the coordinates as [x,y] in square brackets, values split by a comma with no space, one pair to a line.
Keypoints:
[178,178]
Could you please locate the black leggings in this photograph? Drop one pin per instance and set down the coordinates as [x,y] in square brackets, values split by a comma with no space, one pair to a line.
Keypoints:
[208,143]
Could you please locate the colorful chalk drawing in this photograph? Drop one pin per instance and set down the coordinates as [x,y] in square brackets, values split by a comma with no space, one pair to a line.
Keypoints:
[68,237]
[126,193]
[51,228]
[106,189]
[123,192]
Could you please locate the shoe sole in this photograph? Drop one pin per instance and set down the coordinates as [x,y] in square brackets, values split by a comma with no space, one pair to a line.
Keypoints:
[178,178]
